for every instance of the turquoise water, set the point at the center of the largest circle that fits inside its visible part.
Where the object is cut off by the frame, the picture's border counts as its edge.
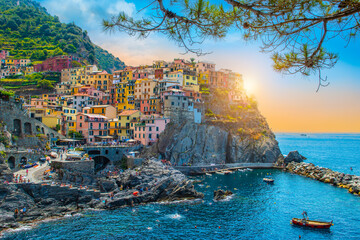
(256, 211)
(336, 151)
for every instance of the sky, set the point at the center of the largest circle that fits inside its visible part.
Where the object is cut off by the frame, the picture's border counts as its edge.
(290, 103)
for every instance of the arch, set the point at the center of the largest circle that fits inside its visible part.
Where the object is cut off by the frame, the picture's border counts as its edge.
(27, 128)
(17, 127)
(100, 162)
(23, 161)
(11, 162)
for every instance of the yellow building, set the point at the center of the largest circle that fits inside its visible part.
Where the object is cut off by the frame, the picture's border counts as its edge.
(9, 61)
(203, 78)
(190, 78)
(125, 95)
(69, 118)
(121, 126)
(51, 121)
(101, 81)
(104, 110)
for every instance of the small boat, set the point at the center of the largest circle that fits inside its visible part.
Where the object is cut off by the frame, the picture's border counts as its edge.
(208, 174)
(311, 223)
(227, 172)
(268, 180)
(220, 172)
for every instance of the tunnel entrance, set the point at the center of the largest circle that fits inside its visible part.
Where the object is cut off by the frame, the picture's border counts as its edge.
(100, 162)
(11, 162)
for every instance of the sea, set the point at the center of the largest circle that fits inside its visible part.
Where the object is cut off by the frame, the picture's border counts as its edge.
(256, 210)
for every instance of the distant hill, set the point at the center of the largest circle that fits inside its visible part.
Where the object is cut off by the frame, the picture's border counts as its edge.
(29, 31)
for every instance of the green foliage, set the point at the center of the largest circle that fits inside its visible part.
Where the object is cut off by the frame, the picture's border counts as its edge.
(57, 127)
(107, 60)
(75, 134)
(28, 31)
(6, 94)
(45, 84)
(2, 154)
(75, 64)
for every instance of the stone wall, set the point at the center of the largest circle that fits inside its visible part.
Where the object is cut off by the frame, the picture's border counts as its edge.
(13, 158)
(112, 153)
(20, 124)
(85, 166)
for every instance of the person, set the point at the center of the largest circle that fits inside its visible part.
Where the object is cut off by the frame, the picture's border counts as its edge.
(16, 212)
(351, 168)
(27, 172)
(24, 210)
(305, 216)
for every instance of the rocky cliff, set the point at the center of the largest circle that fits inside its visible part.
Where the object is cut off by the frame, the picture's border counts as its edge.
(151, 182)
(231, 132)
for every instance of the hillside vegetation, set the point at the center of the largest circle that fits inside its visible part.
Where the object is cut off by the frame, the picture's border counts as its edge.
(28, 31)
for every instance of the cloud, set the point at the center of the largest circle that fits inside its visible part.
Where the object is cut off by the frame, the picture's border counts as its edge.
(88, 14)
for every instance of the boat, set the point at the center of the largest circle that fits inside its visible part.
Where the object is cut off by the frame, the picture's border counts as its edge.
(311, 223)
(208, 174)
(220, 172)
(268, 180)
(227, 172)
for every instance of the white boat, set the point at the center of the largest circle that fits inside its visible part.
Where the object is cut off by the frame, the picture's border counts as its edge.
(208, 174)
(221, 173)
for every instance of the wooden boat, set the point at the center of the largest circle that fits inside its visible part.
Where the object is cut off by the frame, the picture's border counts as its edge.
(310, 223)
(268, 180)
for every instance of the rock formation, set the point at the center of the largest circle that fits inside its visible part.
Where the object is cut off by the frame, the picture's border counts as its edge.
(294, 156)
(230, 133)
(151, 182)
(326, 175)
(221, 194)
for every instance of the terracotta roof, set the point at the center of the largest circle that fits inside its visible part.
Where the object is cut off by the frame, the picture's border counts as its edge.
(128, 112)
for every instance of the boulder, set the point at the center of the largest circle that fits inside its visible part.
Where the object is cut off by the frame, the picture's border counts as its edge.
(221, 194)
(294, 156)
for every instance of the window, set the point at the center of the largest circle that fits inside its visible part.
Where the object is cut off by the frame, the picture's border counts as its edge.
(80, 117)
(143, 135)
(100, 133)
(91, 133)
(172, 103)
(157, 129)
(135, 135)
(157, 135)
(150, 136)
(80, 124)
(143, 128)
(150, 129)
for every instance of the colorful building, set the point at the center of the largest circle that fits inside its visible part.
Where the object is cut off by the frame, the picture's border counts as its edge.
(92, 126)
(148, 130)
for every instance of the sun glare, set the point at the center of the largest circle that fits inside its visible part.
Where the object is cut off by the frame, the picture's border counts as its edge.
(249, 87)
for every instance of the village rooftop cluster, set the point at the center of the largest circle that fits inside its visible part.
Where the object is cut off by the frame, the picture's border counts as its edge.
(134, 103)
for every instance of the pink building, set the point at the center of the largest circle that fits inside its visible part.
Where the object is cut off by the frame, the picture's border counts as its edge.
(54, 64)
(4, 54)
(148, 130)
(92, 126)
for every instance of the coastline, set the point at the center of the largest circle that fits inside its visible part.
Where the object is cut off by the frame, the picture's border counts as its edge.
(326, 175)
